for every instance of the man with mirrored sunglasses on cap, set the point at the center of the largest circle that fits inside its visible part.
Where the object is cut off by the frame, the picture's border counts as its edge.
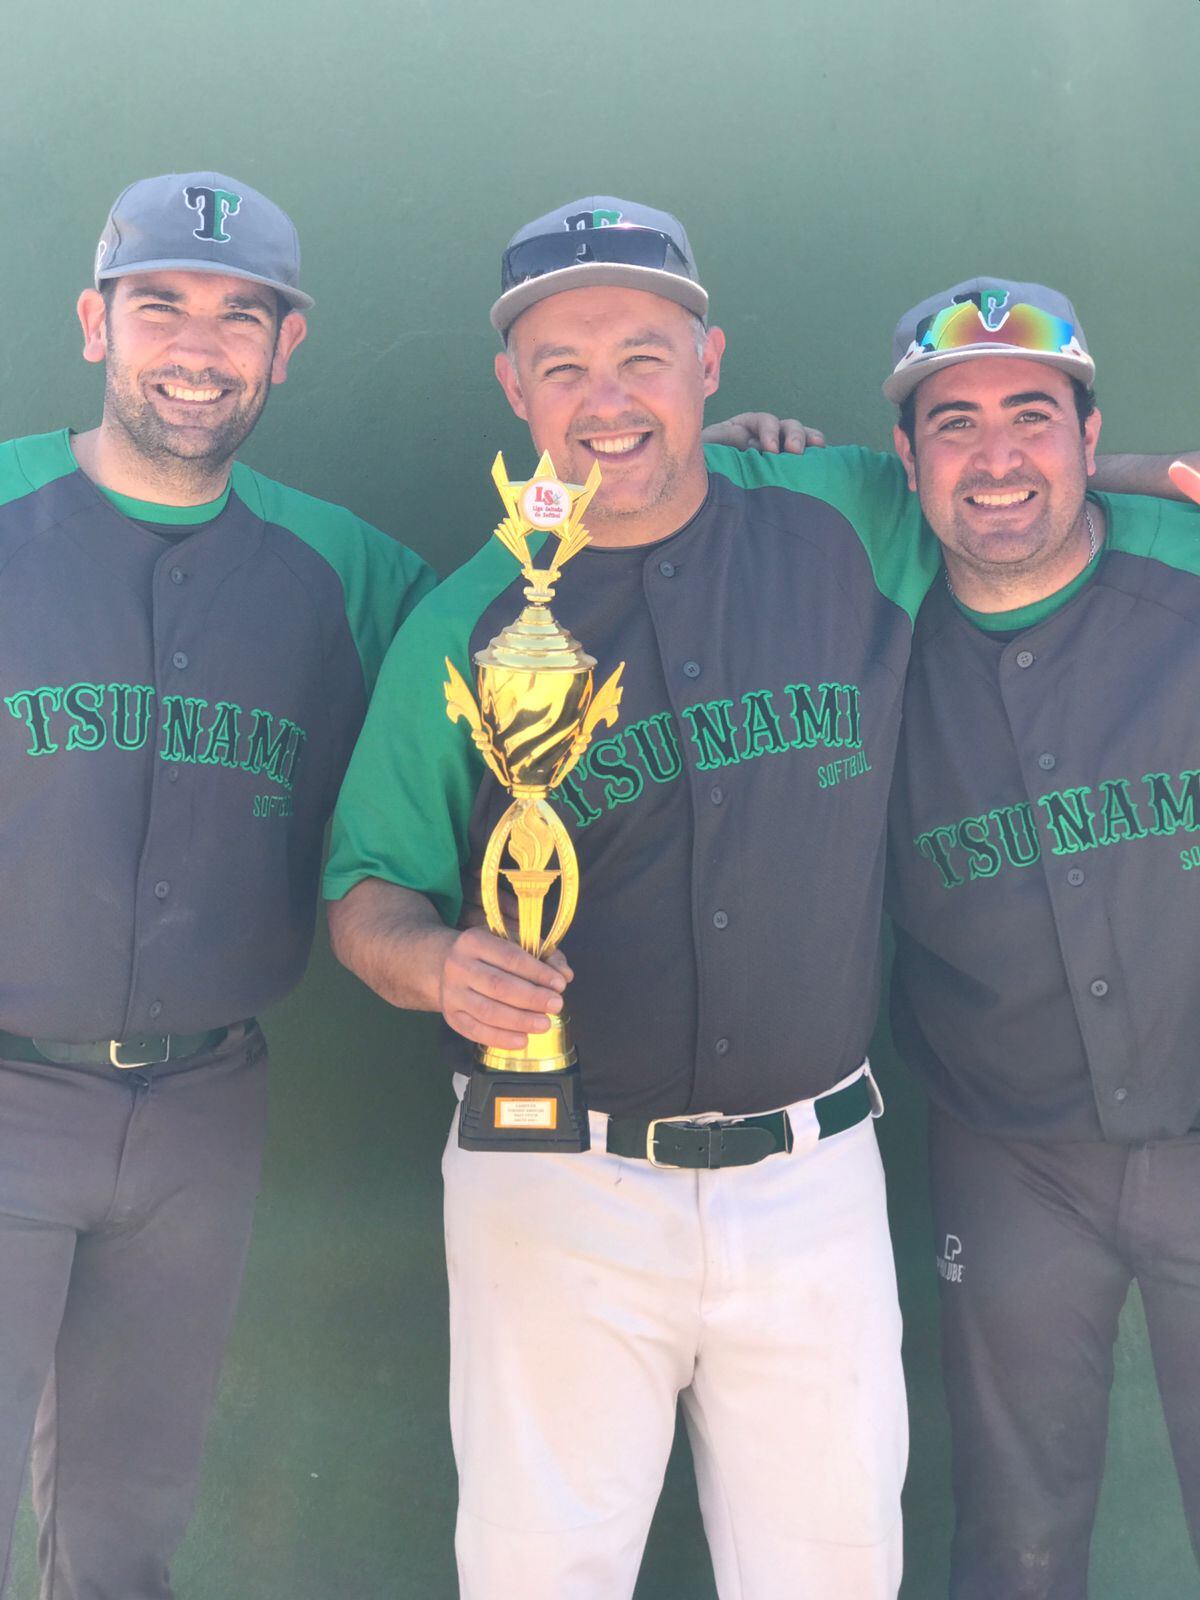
(186, 649)
(724, 1239)
(1042, 830)
(1041, 825)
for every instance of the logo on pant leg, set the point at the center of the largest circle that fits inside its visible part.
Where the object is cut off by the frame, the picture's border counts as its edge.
(948, 1264)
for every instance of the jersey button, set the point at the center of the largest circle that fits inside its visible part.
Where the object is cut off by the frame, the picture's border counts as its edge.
(1099, 988)
(1075, 877)
(172, 774)
(162, 889)
(720, 919)
(1120, 1096)
(155, 1008)
(722, 1047)
(179, 660)
(1024, 658)
(667, 568)
(716, 794)
(1046, 762)
(177, 574)
(691, 669)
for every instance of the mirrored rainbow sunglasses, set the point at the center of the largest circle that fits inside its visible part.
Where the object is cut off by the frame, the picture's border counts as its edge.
(1020, 326)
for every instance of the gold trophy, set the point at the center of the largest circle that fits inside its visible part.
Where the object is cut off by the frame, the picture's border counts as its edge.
(534, 717)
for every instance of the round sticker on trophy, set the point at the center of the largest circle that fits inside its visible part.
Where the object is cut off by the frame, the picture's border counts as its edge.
(545, 503)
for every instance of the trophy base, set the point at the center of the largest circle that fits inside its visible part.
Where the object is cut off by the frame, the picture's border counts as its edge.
(524, 1111)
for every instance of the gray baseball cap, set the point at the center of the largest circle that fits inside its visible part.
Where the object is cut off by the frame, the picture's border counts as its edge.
(201, 222)
(987, 317)
(598, 240)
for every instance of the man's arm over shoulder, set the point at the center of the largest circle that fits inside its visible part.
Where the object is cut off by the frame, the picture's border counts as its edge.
(1142, 474)
(1185, 475)
(1115, 474)
(763, 430)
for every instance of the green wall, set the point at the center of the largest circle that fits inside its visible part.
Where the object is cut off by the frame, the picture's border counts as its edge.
(834, 163)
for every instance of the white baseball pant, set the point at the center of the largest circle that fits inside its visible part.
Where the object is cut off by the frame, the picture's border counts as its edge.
(589, 1292)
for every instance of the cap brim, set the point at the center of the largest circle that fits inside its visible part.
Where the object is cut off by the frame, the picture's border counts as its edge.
(670, 285)
(296, 298)
(899, 385)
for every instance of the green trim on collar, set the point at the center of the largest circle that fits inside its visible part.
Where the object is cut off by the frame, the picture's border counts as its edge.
(167, 516)
(1036, 611)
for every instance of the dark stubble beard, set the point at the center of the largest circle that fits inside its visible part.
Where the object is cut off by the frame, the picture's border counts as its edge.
(178, 454)
(1048, 538)
(631, 422)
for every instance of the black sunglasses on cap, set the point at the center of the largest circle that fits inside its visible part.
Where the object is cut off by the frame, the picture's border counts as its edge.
(551, 252)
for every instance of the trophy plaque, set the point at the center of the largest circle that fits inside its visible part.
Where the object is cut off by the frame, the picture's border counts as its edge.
(532, 716)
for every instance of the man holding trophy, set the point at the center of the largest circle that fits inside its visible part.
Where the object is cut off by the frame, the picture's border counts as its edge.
(710, 1227)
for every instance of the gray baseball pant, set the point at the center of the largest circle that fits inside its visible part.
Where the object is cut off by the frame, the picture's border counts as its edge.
(1038, 1244)
(126, 1200)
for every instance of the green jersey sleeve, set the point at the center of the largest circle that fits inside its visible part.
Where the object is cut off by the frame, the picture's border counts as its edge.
(30, 464)
(406, 801)
(870, 491)
(1163, 530)
(382, 580)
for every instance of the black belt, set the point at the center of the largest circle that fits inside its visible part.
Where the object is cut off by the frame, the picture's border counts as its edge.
(141, 1050)
(732, 1141)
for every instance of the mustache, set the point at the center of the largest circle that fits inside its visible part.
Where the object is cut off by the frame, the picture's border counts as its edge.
(991, 485)
(630, 422)
(205, 378)
(981, 482)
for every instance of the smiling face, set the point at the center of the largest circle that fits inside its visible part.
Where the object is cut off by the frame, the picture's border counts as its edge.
(189, 360)
(1001, 464)
(619, 377)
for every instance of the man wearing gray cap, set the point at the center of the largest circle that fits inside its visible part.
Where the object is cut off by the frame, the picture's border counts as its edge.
(723, 1241)
(1039, 854)
(1044, 826)
(186, 649)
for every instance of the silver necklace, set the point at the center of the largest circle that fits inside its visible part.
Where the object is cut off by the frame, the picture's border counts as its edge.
(1093, 547)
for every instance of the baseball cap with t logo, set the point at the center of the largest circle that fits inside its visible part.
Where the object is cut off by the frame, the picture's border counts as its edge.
(987, 317)
(598, 240)
(201, 222)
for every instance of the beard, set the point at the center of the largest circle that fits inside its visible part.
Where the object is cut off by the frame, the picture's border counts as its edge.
(168, 445)
(613, 502)
(1015, 552)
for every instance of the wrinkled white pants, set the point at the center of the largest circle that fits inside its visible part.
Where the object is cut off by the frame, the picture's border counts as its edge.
(589, 1292)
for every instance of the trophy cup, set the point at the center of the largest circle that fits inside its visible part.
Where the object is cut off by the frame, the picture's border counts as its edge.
(534, 717)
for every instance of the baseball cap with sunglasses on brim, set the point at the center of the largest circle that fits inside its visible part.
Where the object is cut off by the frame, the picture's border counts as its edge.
(987, 317)
(598, 240)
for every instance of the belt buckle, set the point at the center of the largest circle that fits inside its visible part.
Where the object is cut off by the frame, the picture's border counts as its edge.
(705, 1122)
(666, 1166)
(116, 1047)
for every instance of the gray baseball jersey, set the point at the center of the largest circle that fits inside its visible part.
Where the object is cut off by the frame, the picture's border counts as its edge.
(730, 830)
(1045, 826)
(175, 721)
